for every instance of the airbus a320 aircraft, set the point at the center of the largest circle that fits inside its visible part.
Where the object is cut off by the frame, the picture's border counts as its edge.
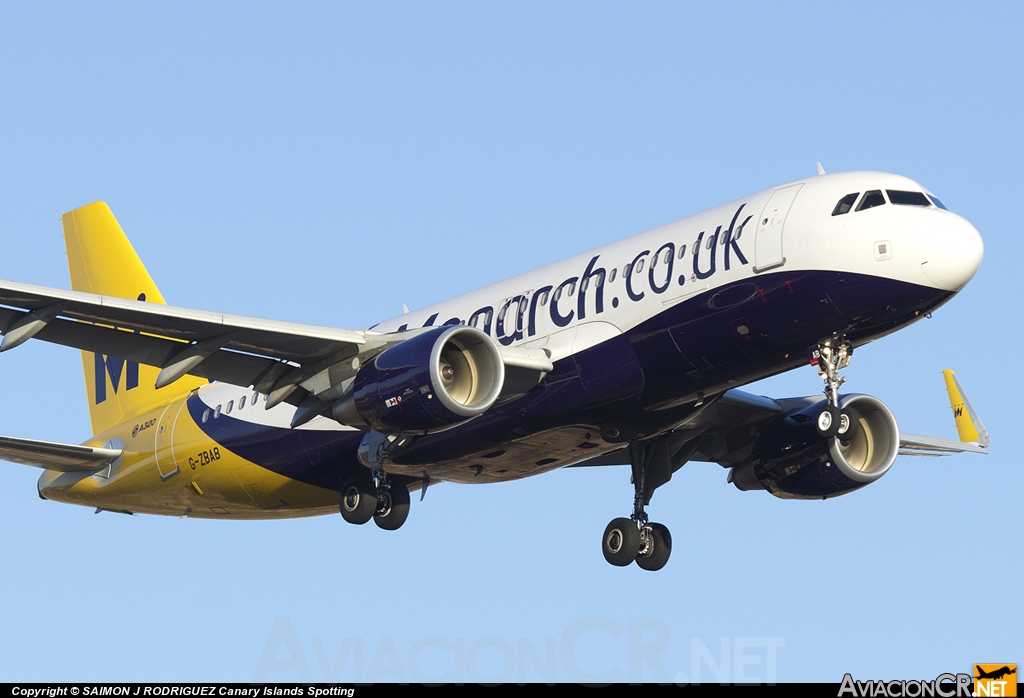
(627, 354)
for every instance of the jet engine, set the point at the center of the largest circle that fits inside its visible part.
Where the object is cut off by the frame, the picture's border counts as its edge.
(432, 381)
(792, 461)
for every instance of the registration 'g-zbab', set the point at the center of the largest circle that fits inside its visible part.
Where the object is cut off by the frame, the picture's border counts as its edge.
(628, 354)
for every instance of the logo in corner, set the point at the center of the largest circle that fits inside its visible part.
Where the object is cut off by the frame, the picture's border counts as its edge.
(995, 680)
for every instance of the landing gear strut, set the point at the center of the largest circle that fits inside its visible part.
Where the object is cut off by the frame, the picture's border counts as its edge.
(636, 539)
(371, 494)
(833, 355)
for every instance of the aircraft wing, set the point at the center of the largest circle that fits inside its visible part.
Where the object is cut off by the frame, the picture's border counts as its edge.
(276, 358)
(230, 348)
(66, 458)
(725, 430)
(974, 437)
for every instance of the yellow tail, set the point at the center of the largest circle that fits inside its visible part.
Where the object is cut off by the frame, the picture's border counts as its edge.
(102, 261)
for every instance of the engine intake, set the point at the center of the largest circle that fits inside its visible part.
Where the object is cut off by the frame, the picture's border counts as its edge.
(429, 382)
(792, 461)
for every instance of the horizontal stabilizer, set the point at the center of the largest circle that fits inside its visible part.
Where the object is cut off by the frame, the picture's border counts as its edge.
(67, 458)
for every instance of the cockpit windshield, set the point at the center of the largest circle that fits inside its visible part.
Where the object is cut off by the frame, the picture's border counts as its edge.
(845, 204)
(907, 198)
(871, 199)
(875, 197)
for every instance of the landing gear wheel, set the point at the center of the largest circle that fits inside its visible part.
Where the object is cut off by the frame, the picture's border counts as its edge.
(358, 499)
(849, 425)
(392, 507)
(621, 542)
(827, 422)
(657, 550)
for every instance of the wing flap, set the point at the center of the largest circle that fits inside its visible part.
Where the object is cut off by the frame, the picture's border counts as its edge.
(67, 458)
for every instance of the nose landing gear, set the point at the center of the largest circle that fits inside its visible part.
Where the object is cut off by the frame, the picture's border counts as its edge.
(831, 356)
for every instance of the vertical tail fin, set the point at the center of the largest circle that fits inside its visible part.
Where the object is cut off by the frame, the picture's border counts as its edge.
(102, 260)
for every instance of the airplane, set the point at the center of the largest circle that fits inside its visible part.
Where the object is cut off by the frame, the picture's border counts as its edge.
(995, 674)
(631, 353)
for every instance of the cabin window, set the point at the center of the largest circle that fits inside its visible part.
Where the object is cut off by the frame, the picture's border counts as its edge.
(639, 266)
(241, 402)
(625, 271)
(870, 200)
(845, 204)
(584, 285)
(231, 404)
(216, 412)
(682, 251)
(484, 316)
(611, 277)
(907, 198)
(206, 415)
(544, 298)
(255, 397)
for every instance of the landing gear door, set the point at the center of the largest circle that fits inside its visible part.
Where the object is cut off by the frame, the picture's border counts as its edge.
(768, 251)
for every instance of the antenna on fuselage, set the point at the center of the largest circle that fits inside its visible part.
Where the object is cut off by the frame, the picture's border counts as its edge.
(821, 170)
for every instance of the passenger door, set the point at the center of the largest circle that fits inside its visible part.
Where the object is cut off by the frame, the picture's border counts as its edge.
(768, 251)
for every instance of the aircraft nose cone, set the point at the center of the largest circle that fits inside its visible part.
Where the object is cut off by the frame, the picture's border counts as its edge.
(951, 253)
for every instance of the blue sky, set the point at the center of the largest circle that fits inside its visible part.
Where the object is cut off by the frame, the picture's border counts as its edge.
(329, 162)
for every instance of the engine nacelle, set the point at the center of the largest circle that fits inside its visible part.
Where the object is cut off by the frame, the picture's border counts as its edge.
(792, 461)
(433, 380)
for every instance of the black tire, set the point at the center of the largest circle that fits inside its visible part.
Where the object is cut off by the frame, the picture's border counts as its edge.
(393, 508)
(849, 425)
(655, 557)
(621, 542)
(827, 422)
(358, 499)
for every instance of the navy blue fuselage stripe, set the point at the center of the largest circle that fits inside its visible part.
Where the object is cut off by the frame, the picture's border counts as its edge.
(690, 348)
(312, 456)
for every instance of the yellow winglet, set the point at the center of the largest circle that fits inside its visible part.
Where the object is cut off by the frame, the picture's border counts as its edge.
(968, 424)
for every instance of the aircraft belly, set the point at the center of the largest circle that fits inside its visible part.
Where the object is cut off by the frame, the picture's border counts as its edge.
(522, 457)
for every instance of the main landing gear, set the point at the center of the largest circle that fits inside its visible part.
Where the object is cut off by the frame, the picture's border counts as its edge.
(370, 494)
(833, 355)
(635, 539)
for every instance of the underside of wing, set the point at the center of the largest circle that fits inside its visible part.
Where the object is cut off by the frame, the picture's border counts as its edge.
(66, 458)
